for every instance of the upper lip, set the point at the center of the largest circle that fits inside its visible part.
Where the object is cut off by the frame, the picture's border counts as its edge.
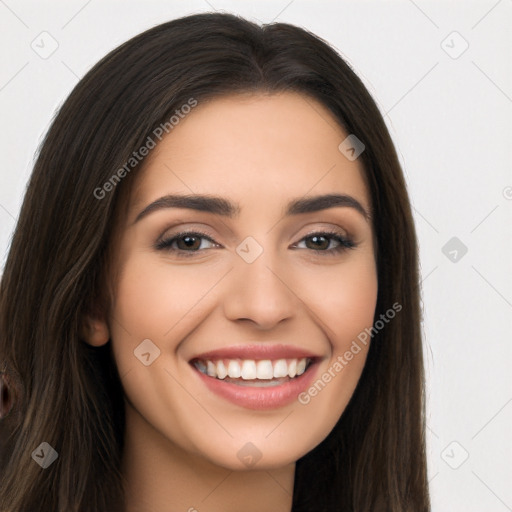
(257, 352)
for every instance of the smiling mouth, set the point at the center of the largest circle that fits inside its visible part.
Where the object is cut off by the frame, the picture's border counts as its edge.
(253, 372)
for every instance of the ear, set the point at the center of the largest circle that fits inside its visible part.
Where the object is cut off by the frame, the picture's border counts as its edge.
(95, 331)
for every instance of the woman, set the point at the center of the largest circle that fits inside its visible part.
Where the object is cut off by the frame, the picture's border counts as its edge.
(276, 364)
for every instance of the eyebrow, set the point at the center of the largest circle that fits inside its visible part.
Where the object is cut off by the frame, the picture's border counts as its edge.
(221, 206)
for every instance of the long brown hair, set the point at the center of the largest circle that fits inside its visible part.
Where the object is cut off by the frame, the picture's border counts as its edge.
(69, 394)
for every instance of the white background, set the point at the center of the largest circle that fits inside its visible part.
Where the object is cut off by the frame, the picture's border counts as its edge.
(450, 119)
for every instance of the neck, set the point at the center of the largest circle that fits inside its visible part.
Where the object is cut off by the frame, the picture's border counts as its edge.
(163, 477)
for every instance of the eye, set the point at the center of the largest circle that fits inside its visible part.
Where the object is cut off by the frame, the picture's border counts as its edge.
(186, 242)
(328, 242)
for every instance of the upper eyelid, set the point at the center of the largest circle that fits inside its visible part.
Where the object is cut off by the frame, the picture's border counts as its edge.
(184, 232)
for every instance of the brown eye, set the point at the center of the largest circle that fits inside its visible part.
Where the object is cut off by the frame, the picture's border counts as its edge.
(318, 242)
(189, 242)
(186, 242)
(327, 242)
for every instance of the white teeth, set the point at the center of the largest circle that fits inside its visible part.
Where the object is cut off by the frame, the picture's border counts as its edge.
(280, 368)
(221, 370)
(249, 369)
(211, 369)
(234, 370)
(292, 368)
(264, 370)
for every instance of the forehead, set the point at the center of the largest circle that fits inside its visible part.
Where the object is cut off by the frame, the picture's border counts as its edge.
(253, 148)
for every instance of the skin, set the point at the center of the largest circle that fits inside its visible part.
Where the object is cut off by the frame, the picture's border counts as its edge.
(259, 151)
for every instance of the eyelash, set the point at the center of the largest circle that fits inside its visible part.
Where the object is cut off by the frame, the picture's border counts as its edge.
(344, 243)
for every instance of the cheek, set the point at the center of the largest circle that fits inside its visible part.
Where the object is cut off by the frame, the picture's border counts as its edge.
(342, 300)
(156, 302)
(152, 297)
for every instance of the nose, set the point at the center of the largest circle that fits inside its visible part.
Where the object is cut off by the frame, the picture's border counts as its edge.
(260, 293)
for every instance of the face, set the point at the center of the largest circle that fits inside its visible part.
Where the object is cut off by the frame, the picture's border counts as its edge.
(233, 320)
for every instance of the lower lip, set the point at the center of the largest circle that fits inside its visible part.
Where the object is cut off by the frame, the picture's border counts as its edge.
(260, 398)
